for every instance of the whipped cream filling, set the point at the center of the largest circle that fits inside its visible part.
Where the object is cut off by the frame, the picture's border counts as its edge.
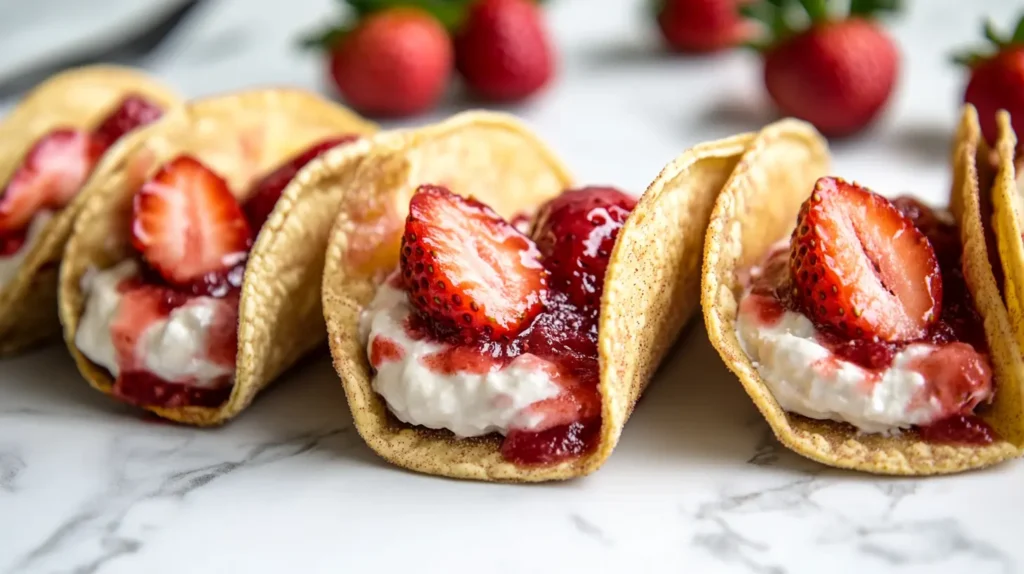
(172, 348)
(466, 403)
(10, 264)
(806, 379)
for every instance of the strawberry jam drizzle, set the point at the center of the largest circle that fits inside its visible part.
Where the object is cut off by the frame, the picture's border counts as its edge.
(143, 304)
(139, 387)
(560, 335)
(384, 350)
(144, 388)
(11, 241)
(959, 429)
(552, 445)
(959, 324)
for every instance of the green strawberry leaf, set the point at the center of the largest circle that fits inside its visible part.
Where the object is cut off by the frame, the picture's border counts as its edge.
(816, 9)
(869, 8)
(995, 39)
(966, 58)
(988, 28)
(772, 15)
(450, 13)
(323, 39)
(786, 18)
(1018, 32)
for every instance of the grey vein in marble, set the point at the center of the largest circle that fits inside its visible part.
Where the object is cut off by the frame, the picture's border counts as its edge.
(11, 465)
(878, 537)
(138, 475)
(590, 530)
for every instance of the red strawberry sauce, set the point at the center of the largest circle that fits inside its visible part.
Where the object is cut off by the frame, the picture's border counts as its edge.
(144, 303)
(958, 331)
(383, 349)
(564, 337)
(11, 242)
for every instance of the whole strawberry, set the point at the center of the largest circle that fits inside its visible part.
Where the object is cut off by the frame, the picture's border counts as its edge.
(503, 51)
(576, 232)
(701, 25)
(837, 73)
(392, 62)
(997, 80)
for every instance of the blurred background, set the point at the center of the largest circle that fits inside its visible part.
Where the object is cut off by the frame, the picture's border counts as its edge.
(618, 105)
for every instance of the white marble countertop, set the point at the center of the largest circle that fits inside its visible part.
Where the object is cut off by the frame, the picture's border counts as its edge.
(697, 484)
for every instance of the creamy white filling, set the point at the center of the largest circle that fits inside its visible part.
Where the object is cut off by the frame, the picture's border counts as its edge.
(173, 349)
(10, 264)
(803, 380)
(466, 403)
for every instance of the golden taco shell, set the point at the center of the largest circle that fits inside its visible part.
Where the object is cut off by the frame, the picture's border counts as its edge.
(1006, 223)
(242, 137)
(79, 98)
(757, 208)
(650, 289)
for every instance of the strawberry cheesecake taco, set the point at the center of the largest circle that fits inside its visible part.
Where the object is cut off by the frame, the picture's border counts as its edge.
(166, 298)
(491, 321)
(864, 328)
(60, 133)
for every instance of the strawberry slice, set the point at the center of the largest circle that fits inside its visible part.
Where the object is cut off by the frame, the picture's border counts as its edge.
(576, 233)
(187, 224)
(134, 111)
(53, 171)
(265, 193)
(467, 270)
(861, 267)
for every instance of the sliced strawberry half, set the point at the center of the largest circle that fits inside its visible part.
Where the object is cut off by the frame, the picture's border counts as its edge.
(861, 267)
(265, 193)
(134, 111)
(467, 270)
(52, 172)
(187, 224)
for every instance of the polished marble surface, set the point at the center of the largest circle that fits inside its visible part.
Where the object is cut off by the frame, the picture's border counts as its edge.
(696, 484)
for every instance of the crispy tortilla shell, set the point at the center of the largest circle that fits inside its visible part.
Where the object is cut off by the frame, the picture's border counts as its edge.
(651, 286)
(79, 98)
(1007, 225)
(242, 137)
(757, 208)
